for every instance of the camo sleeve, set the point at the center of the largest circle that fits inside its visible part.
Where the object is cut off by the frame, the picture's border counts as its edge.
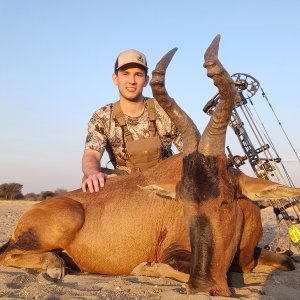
(96, 138)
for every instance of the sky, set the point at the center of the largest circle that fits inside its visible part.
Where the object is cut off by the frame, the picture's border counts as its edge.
(57, 58)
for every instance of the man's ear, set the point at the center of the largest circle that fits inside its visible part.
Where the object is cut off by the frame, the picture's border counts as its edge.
(146, 81)
(115, 78)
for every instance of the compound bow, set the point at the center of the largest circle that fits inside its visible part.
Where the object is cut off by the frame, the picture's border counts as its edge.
(264, 159)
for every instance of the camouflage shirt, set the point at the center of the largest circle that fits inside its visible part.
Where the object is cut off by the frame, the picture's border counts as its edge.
(104, 132)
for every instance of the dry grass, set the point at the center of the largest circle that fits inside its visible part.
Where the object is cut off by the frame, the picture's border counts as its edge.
(16, 202)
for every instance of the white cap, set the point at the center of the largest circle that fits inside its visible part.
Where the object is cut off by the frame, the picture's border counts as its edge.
(131, 57)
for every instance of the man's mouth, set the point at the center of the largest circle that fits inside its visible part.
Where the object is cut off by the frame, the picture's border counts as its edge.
(131, 89)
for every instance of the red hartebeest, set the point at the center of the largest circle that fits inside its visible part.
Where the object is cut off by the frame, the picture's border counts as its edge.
(191, 214)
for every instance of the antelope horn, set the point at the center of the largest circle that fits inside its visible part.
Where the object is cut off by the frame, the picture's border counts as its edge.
(187, 128)
(213, 139)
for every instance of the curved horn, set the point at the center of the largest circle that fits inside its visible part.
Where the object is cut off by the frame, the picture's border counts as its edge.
(187, 128)
(213, 139)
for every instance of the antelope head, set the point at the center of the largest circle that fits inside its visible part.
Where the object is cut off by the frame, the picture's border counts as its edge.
(208, 188)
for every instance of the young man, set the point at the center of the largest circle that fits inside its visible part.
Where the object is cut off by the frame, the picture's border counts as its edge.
(135, 131)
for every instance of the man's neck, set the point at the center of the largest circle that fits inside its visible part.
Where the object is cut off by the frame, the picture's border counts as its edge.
(132, 108)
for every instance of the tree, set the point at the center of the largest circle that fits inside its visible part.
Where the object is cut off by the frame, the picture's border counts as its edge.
(59, 191)
(46, 194)
(11, 190)
(32, 196)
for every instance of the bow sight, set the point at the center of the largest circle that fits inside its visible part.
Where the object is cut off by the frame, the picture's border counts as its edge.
(263, 158)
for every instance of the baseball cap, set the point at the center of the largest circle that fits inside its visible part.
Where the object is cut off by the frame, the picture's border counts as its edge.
(131, 57)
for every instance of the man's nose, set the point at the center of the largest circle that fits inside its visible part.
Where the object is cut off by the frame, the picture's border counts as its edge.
(131, 79)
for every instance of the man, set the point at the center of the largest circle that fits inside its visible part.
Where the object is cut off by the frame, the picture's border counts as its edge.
(135, 131)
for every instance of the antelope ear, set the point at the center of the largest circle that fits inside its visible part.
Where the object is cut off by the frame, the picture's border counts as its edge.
(162, 190)
(259, 189)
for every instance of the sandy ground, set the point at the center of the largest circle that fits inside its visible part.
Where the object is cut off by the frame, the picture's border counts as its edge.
(262, 283)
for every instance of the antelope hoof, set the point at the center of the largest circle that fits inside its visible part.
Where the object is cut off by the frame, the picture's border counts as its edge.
(138, 270)
(57, 274)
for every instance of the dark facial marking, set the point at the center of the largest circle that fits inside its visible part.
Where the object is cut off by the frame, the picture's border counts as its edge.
(202, 246)
(200, 180)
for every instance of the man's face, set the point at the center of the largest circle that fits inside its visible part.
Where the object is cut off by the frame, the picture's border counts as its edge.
(131, 82)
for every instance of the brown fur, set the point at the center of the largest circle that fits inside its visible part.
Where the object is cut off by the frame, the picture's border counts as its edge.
(113, 231)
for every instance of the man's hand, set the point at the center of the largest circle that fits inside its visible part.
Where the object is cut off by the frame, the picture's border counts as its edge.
(95, 182)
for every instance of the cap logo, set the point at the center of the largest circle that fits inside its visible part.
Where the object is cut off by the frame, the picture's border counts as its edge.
(140, 58)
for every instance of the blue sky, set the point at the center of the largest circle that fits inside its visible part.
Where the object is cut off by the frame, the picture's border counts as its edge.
(57, 57)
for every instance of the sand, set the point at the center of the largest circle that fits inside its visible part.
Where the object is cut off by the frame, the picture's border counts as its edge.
(263, 283)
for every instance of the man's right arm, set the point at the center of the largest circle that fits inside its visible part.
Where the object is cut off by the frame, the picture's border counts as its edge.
(93, 179)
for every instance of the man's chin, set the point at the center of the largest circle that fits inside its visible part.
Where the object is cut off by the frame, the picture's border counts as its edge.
(134, 99)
